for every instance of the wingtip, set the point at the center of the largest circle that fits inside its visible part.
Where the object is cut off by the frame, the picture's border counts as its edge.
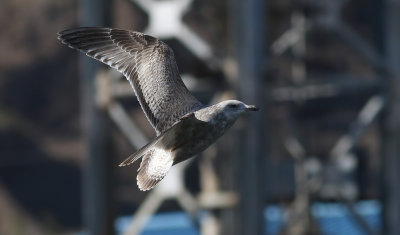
(60, 36)
(62, 39)
(126, 162)
(64, 32)
(80, 30)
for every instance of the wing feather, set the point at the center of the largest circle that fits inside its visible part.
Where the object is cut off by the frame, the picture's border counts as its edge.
(147, 63)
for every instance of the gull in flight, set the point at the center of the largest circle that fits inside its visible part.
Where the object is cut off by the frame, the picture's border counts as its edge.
(184, 126)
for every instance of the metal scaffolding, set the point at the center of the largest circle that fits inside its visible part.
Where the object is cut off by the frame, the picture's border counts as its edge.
(246, 200)
(163, 15)
(97, 179)
(249, 40)
(391, 122)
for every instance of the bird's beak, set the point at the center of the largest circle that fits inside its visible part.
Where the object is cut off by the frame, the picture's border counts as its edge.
(251, 108)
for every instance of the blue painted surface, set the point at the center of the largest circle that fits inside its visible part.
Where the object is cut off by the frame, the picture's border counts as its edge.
(163, 223)
(333, 219)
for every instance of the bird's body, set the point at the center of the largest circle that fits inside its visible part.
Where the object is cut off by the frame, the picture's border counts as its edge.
(184, 126)
(210, 124)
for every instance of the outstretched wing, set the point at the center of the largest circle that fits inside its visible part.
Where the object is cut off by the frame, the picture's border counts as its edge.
(148, 64)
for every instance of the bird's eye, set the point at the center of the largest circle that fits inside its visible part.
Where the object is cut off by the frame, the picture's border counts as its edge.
(233, 106)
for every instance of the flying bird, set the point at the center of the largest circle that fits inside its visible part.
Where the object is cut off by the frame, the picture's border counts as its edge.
(184, 126)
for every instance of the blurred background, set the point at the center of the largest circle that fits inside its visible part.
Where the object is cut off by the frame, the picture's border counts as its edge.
(321, 157)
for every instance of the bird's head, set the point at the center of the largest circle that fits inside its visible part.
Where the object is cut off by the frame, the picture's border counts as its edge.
(234, 108)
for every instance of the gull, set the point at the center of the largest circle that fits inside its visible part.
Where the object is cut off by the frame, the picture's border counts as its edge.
(184, 126)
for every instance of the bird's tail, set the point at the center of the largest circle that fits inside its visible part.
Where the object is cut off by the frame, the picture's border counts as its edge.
(154, 167)
(158, 155)
(156, 162)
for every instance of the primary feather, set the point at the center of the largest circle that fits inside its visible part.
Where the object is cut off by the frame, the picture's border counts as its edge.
(148, 64)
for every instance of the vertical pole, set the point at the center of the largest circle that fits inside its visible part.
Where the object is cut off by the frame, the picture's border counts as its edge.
(96, 186)
(250, 40)
(391, 144)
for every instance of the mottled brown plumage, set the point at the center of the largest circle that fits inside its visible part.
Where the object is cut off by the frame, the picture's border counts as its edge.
(148, 64)
(183, 125)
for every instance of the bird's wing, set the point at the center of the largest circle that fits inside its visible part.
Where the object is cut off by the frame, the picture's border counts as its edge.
(148, 64)
(153, 170)
(169, 139)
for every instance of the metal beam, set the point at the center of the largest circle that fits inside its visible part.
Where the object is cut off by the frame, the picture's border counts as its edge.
(96, 186)
(250, 41)
(341, 85)
(366, 116)
(391, 132)
(126, 125)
